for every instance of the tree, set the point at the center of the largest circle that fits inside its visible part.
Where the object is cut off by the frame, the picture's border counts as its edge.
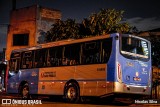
(56, 32)
(62, 30)
(104, 22)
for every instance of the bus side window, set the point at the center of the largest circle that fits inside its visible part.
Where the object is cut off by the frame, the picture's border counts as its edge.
(91, 52)
(71, 54)
(28, 63)
(40, 58)
(40, 63)
(97, 57)
(48, 58)
(106, 49)
(55, 56)
(26, 60)
(14, 64)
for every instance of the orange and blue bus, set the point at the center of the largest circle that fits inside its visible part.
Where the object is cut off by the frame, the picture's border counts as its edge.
(94, 66)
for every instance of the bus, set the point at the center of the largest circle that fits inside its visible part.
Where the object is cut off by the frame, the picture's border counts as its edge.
(74, 68)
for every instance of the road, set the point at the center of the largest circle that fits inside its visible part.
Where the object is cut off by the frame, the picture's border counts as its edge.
(58, 102)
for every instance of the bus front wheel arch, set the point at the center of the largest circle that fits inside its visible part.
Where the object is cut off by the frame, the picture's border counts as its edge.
(72, 92)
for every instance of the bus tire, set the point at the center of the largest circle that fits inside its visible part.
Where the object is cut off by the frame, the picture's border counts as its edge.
(72, 92)
(25, 92)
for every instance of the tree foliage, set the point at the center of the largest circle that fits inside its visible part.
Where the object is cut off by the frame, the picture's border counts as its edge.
(62, 30)
(104, 22)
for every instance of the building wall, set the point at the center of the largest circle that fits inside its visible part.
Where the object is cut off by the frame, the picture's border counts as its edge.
(33, 20)
(145, 34)
(21, 23)
(46, 18)
(3, 36)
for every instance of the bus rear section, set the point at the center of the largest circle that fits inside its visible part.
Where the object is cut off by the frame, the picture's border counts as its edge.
(133, 66)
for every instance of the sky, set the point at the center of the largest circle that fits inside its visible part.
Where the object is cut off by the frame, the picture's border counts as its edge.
(144, 14)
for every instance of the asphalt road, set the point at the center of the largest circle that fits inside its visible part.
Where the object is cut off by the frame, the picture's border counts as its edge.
(58, 102)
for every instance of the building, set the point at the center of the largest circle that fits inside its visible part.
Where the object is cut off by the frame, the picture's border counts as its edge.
(3, 37)
(154, 32)
(28, 26)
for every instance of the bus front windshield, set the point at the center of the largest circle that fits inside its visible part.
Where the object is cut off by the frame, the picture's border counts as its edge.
(132, 47)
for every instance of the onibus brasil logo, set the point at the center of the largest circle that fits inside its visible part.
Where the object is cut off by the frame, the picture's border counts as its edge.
(16, 102)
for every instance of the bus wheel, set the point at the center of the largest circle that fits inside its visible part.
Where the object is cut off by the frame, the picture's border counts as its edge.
(72, 93)
(25, 92)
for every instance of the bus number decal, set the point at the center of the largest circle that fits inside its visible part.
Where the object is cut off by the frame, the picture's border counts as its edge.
(48, 74)
(100, 69)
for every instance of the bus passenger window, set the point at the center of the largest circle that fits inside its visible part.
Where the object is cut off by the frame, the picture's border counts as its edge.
(91, 52)
(14, 64)
(55, 56)
(40, 56)
(55, 62)
(26, 60)
(28, 63)
(97, 58)
(40, 63)
(65, 61)
(106, 49)
(73, 62)
(71, 54)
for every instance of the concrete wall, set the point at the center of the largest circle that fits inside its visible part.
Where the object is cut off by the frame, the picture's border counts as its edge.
(35, 21)
(44, 22)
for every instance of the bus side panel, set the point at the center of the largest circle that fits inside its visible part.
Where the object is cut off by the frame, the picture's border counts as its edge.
(92, 79)
(52, 80)
(31, 76)
(13, 84)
